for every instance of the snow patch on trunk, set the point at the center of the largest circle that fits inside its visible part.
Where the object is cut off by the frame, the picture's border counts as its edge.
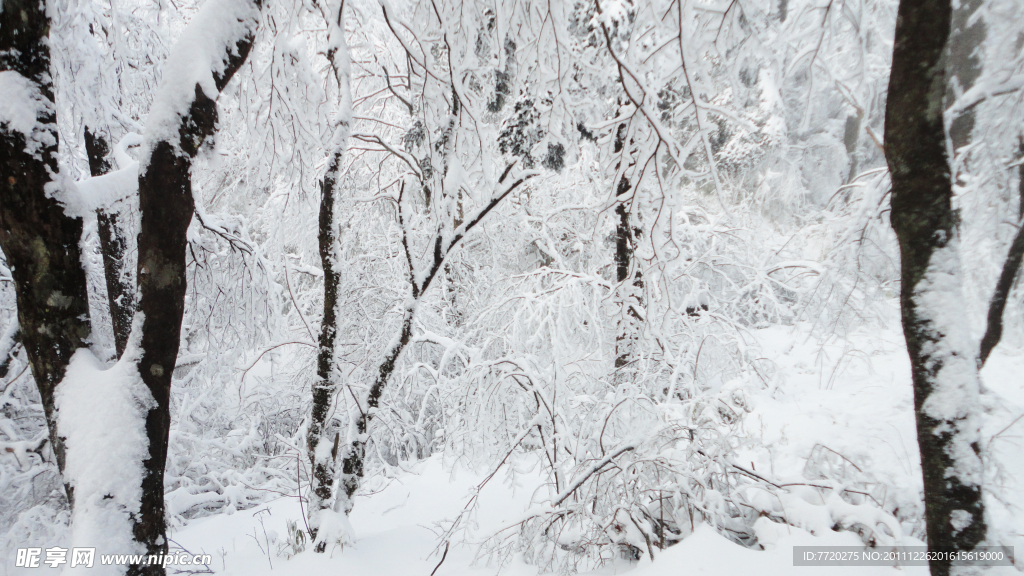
(20, 108)
(102, 192)
(102, 413)
(950, 355)
(334, 530)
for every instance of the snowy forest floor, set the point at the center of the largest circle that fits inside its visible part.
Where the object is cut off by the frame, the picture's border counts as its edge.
(851, 396)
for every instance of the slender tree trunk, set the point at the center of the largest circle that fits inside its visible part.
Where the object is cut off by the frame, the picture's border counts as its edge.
(964, 66)
(354, 463)
(326, 385)
(113, 246)
(1011, 266)
(166, 205)
(943, 358)
(322, 439)
(354, 460)
(9, 346)
(40, 242)
(630, 292)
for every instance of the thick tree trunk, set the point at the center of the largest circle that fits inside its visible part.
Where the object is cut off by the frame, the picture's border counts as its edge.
(166, 206)
(165, 201)
(40, 241)
(113, 246)
(943, 359)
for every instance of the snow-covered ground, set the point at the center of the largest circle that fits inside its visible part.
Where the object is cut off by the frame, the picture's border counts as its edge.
(848, 397)
(397, 536)
(851, 396)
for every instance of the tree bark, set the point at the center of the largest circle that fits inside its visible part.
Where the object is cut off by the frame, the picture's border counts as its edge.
(630, 292)
(964, 67)
(325, 387)
(327, 383)
(166, 205)
(113, 247)
(40, 241)
(9, 346)
(943, 364)
(1011, 266)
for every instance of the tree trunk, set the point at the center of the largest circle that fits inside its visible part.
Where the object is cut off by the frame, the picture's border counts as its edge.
(113, 246)
(354, 463)
(321, 435)
(1011, 266)
(166, 205)
(165, 201)
(943, 359)
(40, 241)
(630, 292)
(326, 385)
(964, 66)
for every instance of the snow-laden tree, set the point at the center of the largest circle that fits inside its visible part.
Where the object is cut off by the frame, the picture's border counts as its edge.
(110, 428)
(541, 239)
(40, 228)
(932, 48)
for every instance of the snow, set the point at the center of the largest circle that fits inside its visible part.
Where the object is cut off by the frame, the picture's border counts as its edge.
(7, 341)
(21, 450)
(105, 191)
(398, 535)
(849, 397)
(102, 413)
(1003, 442)
(200, 53)
(952, 358)
(788, 418)
(21, 105)
(335, 531)
(850, 394)
(102, 192)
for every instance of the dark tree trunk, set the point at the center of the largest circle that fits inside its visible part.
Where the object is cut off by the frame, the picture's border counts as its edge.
(1011, 266)
(945, 379)
(165, 201)
(113, 246)
(40, 242)
(354, 461)
(964, 67)
(9, 346)
(630, 292)
(325, 386)
(166, 205)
